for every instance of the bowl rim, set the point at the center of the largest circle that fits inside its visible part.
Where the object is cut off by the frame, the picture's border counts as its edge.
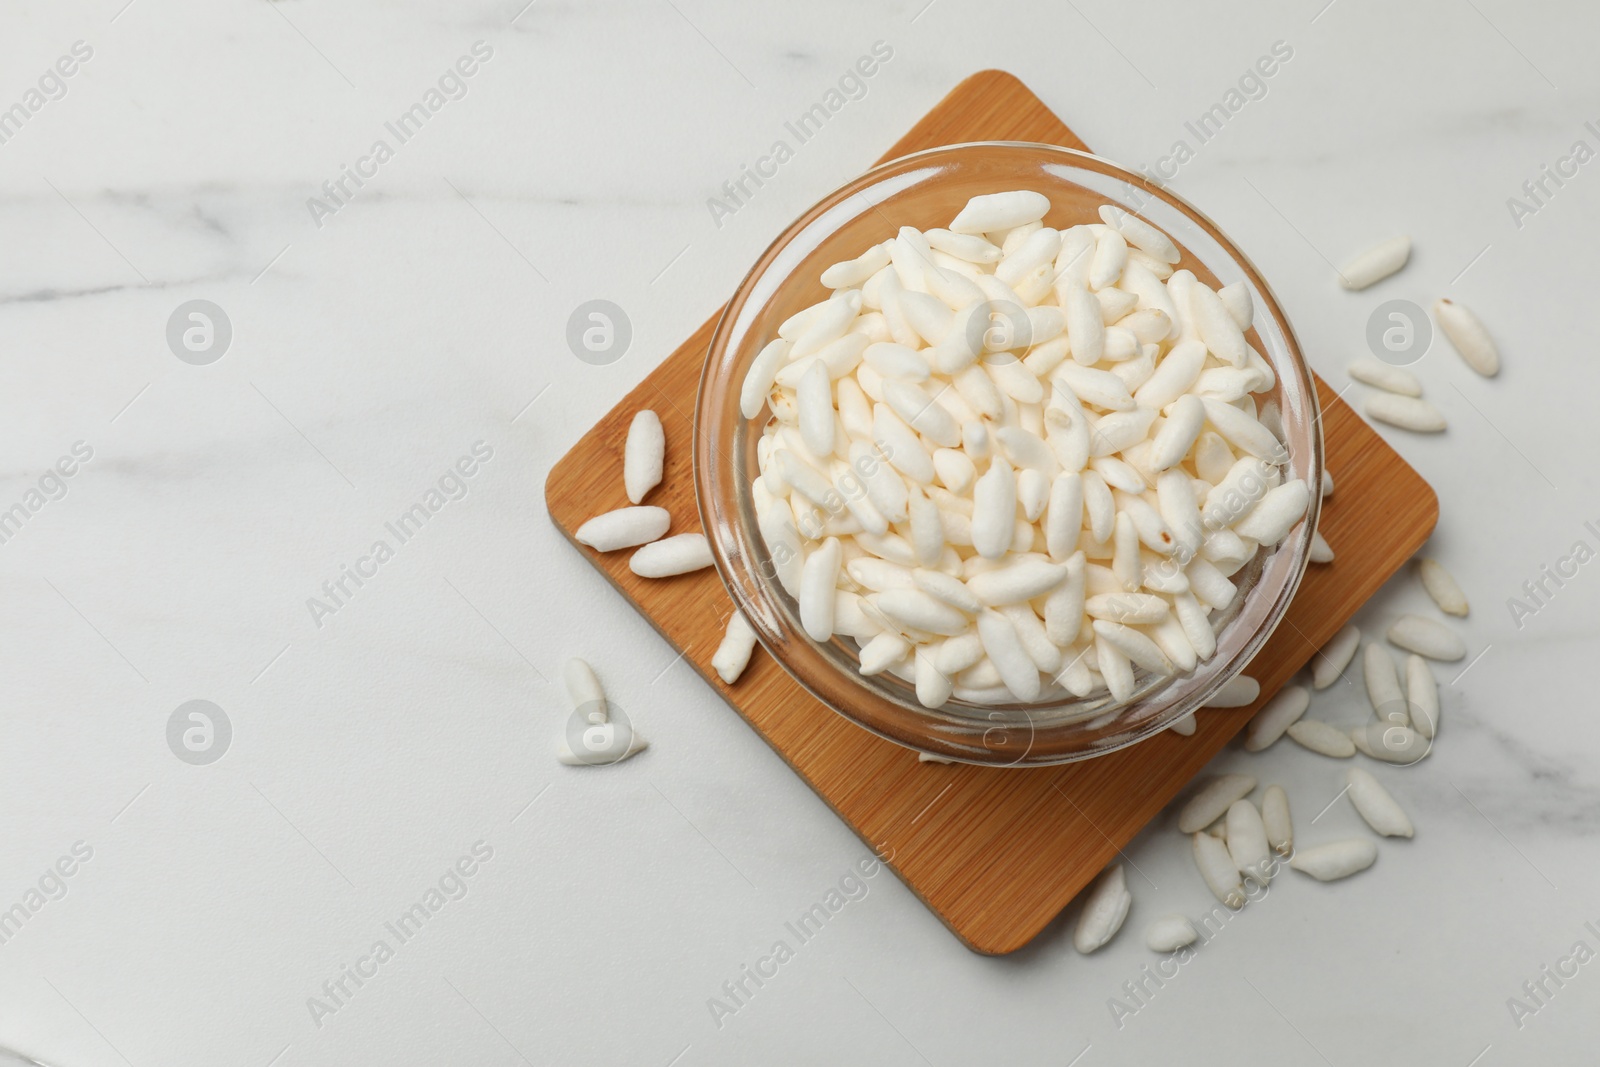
(1299, 545)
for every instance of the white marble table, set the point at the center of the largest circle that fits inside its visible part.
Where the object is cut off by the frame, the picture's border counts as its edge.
(377, 338)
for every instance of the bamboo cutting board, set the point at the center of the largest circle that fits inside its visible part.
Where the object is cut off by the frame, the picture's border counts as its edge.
(995, 853)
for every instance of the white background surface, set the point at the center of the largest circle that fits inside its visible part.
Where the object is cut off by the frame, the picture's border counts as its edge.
(370, 753)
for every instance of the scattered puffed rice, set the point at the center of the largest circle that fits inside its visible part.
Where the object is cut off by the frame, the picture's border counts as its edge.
(1380, 810)
(1279, 713)
(624, 528)
(604, 745)
(733, 654)
(1376, 264)
(1322, 739)
(675, 555)
(1170, 933)
(585, 692)
(1422, 692)
(1209, 804)
(1247, 842)
(1385, 376)
(643, 455)
(1341, 859)
(1427, 637)
(1406, 412)
(1217, 869)
(1469, 337)
(1383, 684)
(1442, 587)
(1104, 909)
(1334, 657)
(1276, 821)
(1389, 742)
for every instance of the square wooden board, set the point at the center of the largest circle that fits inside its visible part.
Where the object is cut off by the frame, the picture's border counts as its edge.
(995, 853)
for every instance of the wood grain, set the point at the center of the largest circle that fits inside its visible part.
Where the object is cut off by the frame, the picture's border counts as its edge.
(995, 853)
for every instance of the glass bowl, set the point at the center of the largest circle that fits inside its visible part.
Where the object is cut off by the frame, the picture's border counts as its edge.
(926, 190)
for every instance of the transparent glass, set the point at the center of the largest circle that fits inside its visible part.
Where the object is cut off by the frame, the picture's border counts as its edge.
(926, 190)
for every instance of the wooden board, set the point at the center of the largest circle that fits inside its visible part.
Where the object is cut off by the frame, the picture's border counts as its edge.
(995, 853)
